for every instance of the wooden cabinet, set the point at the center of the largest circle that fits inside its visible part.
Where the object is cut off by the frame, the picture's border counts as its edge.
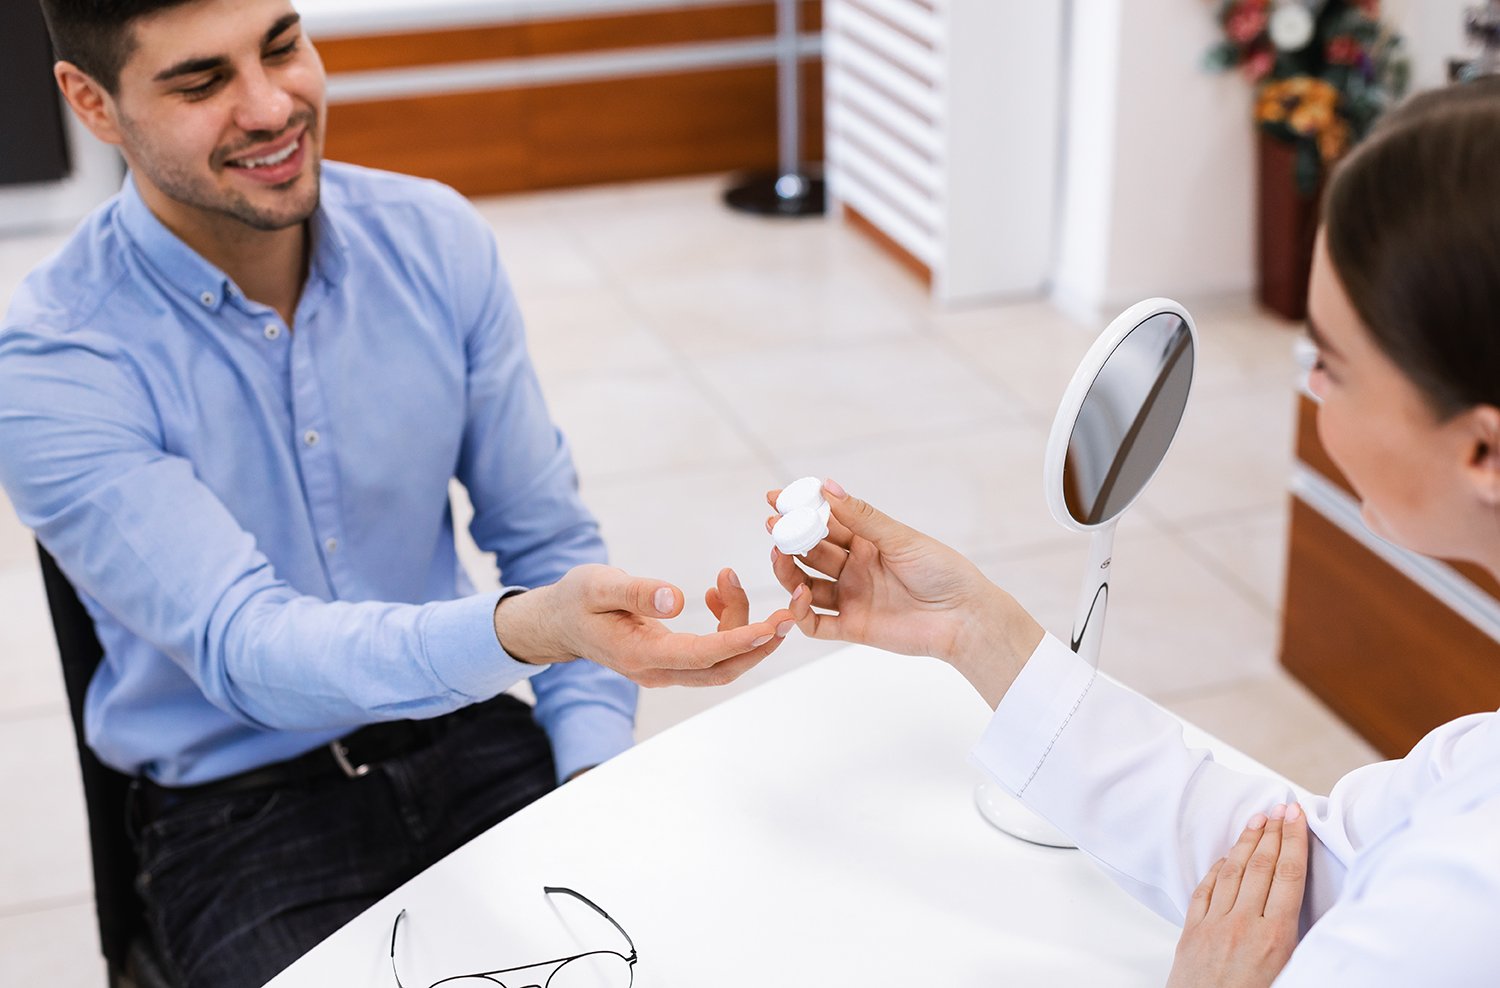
(1393, 642)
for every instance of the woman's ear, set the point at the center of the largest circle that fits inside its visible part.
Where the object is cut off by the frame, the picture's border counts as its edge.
(1483, 429)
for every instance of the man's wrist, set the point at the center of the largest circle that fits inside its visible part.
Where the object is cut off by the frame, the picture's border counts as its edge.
(995, 643)
(521, 627)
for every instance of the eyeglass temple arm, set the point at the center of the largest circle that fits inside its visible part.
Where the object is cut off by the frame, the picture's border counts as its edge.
(394, 927)
(550, 889)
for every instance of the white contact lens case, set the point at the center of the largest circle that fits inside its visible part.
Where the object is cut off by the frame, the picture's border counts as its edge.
(804, 516)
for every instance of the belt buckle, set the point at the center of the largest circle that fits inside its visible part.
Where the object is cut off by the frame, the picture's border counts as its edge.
(341, 756)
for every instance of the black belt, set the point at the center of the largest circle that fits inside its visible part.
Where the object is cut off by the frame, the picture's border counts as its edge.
(351, 756)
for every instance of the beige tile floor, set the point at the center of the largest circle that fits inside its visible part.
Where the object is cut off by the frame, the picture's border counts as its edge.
(696, 358)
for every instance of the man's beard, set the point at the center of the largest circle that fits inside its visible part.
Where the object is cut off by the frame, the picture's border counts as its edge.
(181, 186)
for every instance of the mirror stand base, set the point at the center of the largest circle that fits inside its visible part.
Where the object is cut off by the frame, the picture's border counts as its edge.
(1008, 814)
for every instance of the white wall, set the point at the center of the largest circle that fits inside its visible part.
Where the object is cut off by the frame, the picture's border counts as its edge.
(1159, 183)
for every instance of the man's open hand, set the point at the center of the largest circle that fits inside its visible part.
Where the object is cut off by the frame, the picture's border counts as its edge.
(605, 614)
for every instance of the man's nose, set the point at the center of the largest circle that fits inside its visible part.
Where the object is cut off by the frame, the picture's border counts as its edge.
(263, 105)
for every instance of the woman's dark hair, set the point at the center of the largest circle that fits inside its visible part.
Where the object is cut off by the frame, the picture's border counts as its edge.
(95, 34)
(1413, 230)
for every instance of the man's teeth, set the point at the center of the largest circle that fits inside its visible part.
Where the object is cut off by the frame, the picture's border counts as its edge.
(266, 162)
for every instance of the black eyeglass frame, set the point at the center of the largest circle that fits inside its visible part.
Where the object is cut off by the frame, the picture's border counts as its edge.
(561, 962)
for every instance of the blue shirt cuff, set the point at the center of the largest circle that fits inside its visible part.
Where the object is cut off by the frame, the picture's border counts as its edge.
(459, 640)
(588, 734)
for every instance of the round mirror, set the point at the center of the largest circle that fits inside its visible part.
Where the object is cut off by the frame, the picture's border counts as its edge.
(1119, 414)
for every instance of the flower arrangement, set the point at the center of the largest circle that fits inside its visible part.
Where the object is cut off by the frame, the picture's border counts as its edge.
(1324, 71)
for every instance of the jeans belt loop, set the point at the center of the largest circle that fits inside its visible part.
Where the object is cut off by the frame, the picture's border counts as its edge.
(341, 756)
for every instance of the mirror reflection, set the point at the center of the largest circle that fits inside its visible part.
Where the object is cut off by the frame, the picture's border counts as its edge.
(1128, 419)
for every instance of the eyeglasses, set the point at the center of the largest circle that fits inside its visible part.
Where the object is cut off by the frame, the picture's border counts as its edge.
(591, 969)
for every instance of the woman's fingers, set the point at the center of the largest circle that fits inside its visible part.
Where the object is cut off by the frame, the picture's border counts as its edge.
(826, 558)
(1290, 880)
(1256, 883)
(790, 576)
(838, 532)
(810, 622)
(1227, 887)
(1198, 904)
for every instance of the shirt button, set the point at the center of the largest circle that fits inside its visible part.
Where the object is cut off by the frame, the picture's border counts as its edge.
(272, 331)
(207, 298)
(332, 545)
(311, 437)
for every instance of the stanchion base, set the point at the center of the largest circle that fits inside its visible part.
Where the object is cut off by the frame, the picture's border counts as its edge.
(773, 194)
(1008, 814)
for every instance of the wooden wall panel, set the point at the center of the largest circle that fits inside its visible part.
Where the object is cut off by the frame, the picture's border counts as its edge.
(1382, 653)
(515, 140)
(562, 134)
(567, 36)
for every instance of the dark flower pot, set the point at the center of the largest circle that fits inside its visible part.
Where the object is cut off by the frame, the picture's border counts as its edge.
(1287, 224)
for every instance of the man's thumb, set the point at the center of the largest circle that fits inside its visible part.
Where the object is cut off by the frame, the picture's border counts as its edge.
(862, 518)
(646, 597)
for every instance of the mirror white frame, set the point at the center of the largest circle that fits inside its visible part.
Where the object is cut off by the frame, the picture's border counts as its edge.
(995, 805)
(1088, 620)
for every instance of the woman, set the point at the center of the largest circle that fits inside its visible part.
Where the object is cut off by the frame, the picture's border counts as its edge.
(1401, 861)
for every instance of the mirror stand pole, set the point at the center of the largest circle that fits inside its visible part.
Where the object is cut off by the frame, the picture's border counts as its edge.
(1093, 599)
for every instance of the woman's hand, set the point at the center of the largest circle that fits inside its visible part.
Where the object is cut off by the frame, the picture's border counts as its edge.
(884, 584)
(1242, 922)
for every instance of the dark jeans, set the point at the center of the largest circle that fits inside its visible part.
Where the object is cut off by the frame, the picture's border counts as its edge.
(239, 885)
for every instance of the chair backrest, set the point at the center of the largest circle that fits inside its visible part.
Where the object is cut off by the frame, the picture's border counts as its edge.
(121, 916)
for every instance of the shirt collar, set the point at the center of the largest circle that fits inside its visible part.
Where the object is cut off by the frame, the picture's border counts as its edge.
(189, 272)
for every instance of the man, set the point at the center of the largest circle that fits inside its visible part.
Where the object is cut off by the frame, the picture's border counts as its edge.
(231, 407)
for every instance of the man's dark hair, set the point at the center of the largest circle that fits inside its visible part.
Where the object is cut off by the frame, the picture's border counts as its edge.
(95, 34)
(1413, 226)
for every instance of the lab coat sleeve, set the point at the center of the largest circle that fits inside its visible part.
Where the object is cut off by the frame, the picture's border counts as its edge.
(1111, 770)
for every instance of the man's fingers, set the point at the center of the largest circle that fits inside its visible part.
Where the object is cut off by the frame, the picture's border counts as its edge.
(1284, 902)
(611, 589)
(1256, 883)
(726, 672)
(736, 610)
(1228, 884)
(1198, 904)
(715, 603)
(679, 650)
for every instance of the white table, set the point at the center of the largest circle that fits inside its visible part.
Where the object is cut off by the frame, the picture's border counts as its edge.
(818, 830)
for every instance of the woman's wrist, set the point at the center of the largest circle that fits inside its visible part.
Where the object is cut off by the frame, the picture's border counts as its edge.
(994, 642)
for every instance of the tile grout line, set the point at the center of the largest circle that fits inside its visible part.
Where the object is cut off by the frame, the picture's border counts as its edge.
(33, 906)
(682, 360)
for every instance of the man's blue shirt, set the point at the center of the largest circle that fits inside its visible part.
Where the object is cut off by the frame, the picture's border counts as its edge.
(257, 517)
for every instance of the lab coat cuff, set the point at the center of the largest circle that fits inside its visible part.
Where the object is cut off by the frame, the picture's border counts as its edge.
(459, 640)
(587, 734)
(1033, 713)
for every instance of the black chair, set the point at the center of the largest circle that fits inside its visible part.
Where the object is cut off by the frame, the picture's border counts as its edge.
(123, 935)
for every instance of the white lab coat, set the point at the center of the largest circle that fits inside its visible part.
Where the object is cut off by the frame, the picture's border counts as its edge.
(1404, 879)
